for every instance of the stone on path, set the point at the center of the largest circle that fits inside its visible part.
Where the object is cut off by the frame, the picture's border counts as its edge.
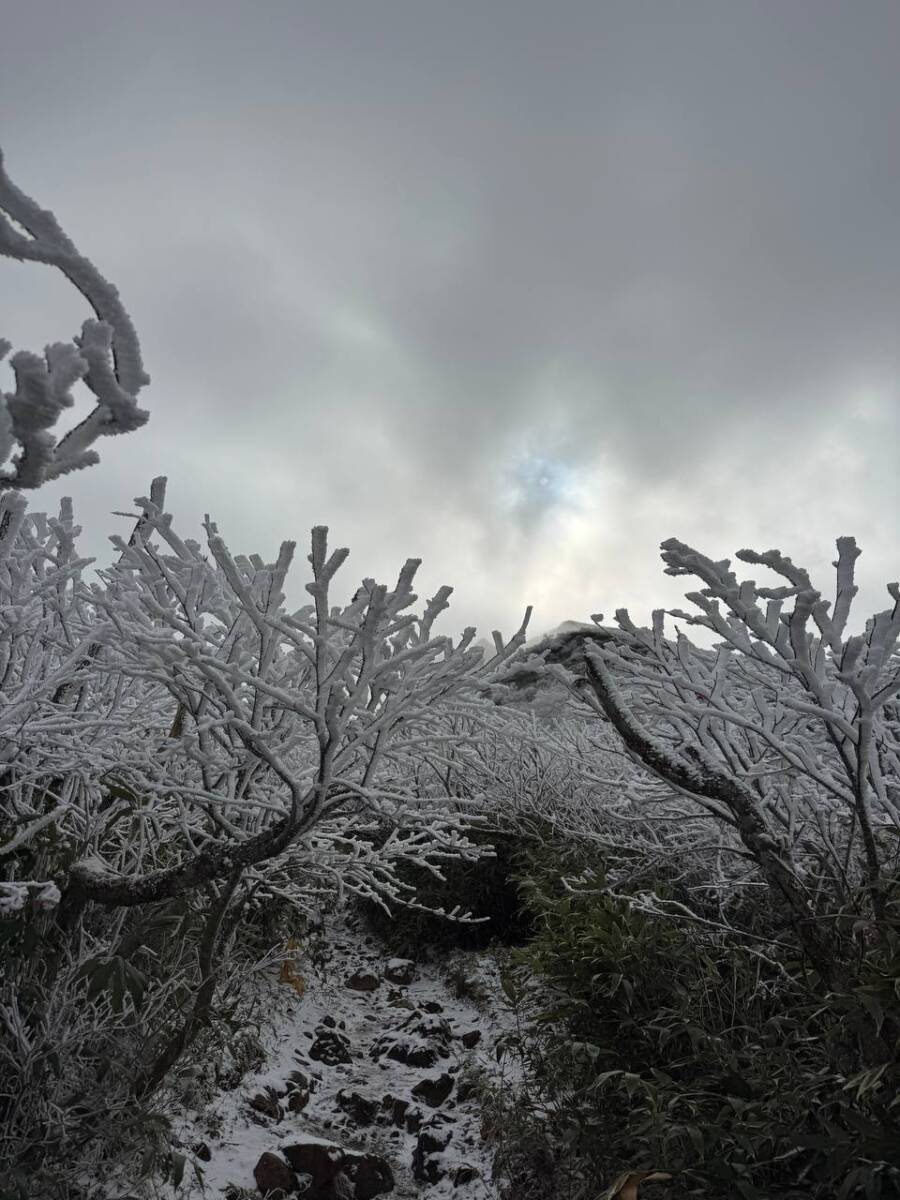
(400, 971)
(323, 1162)
(434, 1091)
(363, 981)
(274, 1177)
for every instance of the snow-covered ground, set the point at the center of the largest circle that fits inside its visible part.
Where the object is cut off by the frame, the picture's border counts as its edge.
(392, 1039)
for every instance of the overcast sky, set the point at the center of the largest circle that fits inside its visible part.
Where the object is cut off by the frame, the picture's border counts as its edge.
(518, 288)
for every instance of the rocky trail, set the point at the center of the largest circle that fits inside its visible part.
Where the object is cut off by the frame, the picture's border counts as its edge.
(367, 1085)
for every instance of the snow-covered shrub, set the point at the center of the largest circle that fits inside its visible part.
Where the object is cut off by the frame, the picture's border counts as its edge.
(193, 729)
(266, 737)
(544, 773)
(487, 884)
(71, 1018)
(608, 1082)
(462, 769)
(782, 742)
(713, 986)
(180, 750)
(644, 1043)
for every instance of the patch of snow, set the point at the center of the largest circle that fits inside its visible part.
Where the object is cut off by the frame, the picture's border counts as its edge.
(236, 1135)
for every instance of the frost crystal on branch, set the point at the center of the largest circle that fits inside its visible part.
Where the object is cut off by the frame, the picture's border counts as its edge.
(106, 357)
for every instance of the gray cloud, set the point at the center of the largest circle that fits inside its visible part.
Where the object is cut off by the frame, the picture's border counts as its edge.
(395, 265)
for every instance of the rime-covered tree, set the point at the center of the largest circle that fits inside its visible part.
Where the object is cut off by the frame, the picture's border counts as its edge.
(785, 734)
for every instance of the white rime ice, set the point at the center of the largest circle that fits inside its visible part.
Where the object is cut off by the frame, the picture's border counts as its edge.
(106, 357)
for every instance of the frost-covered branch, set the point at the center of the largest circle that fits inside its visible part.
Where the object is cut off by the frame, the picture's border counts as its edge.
(106, 357)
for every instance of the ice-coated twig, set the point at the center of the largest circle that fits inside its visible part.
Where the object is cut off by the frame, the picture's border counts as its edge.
(106, 357)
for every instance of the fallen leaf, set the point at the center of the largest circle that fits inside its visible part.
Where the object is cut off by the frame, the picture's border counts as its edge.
(625, 1187)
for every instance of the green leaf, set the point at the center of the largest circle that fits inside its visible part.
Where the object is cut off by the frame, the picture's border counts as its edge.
(117, 984)
(872, 1005)
(136, 982)
(97, 972)
(696, 1136)
(604, 1077)
(148, 1160)
(179, 1161)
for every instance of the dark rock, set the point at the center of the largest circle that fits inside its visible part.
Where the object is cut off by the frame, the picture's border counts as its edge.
(274, 1177)
(427, 1168)
(202, 1151)
(427, 1039)
(414, 1119)
(266, 1103)
(432, 1006)
(396, 1109)
(400, 971)
(297, 1090)
(330, 1047)
(320, 1160)
(426, 1163)
(330, 1022)
(370, 1174)
(464, 1174)
(323, 1162)
(401, 1113)
(363, 981)
(427, 1026)
(471, 1039)
(409, 1049)
(298, 1081)
(360, 1108)
(413, 1055)
(434, 1091)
